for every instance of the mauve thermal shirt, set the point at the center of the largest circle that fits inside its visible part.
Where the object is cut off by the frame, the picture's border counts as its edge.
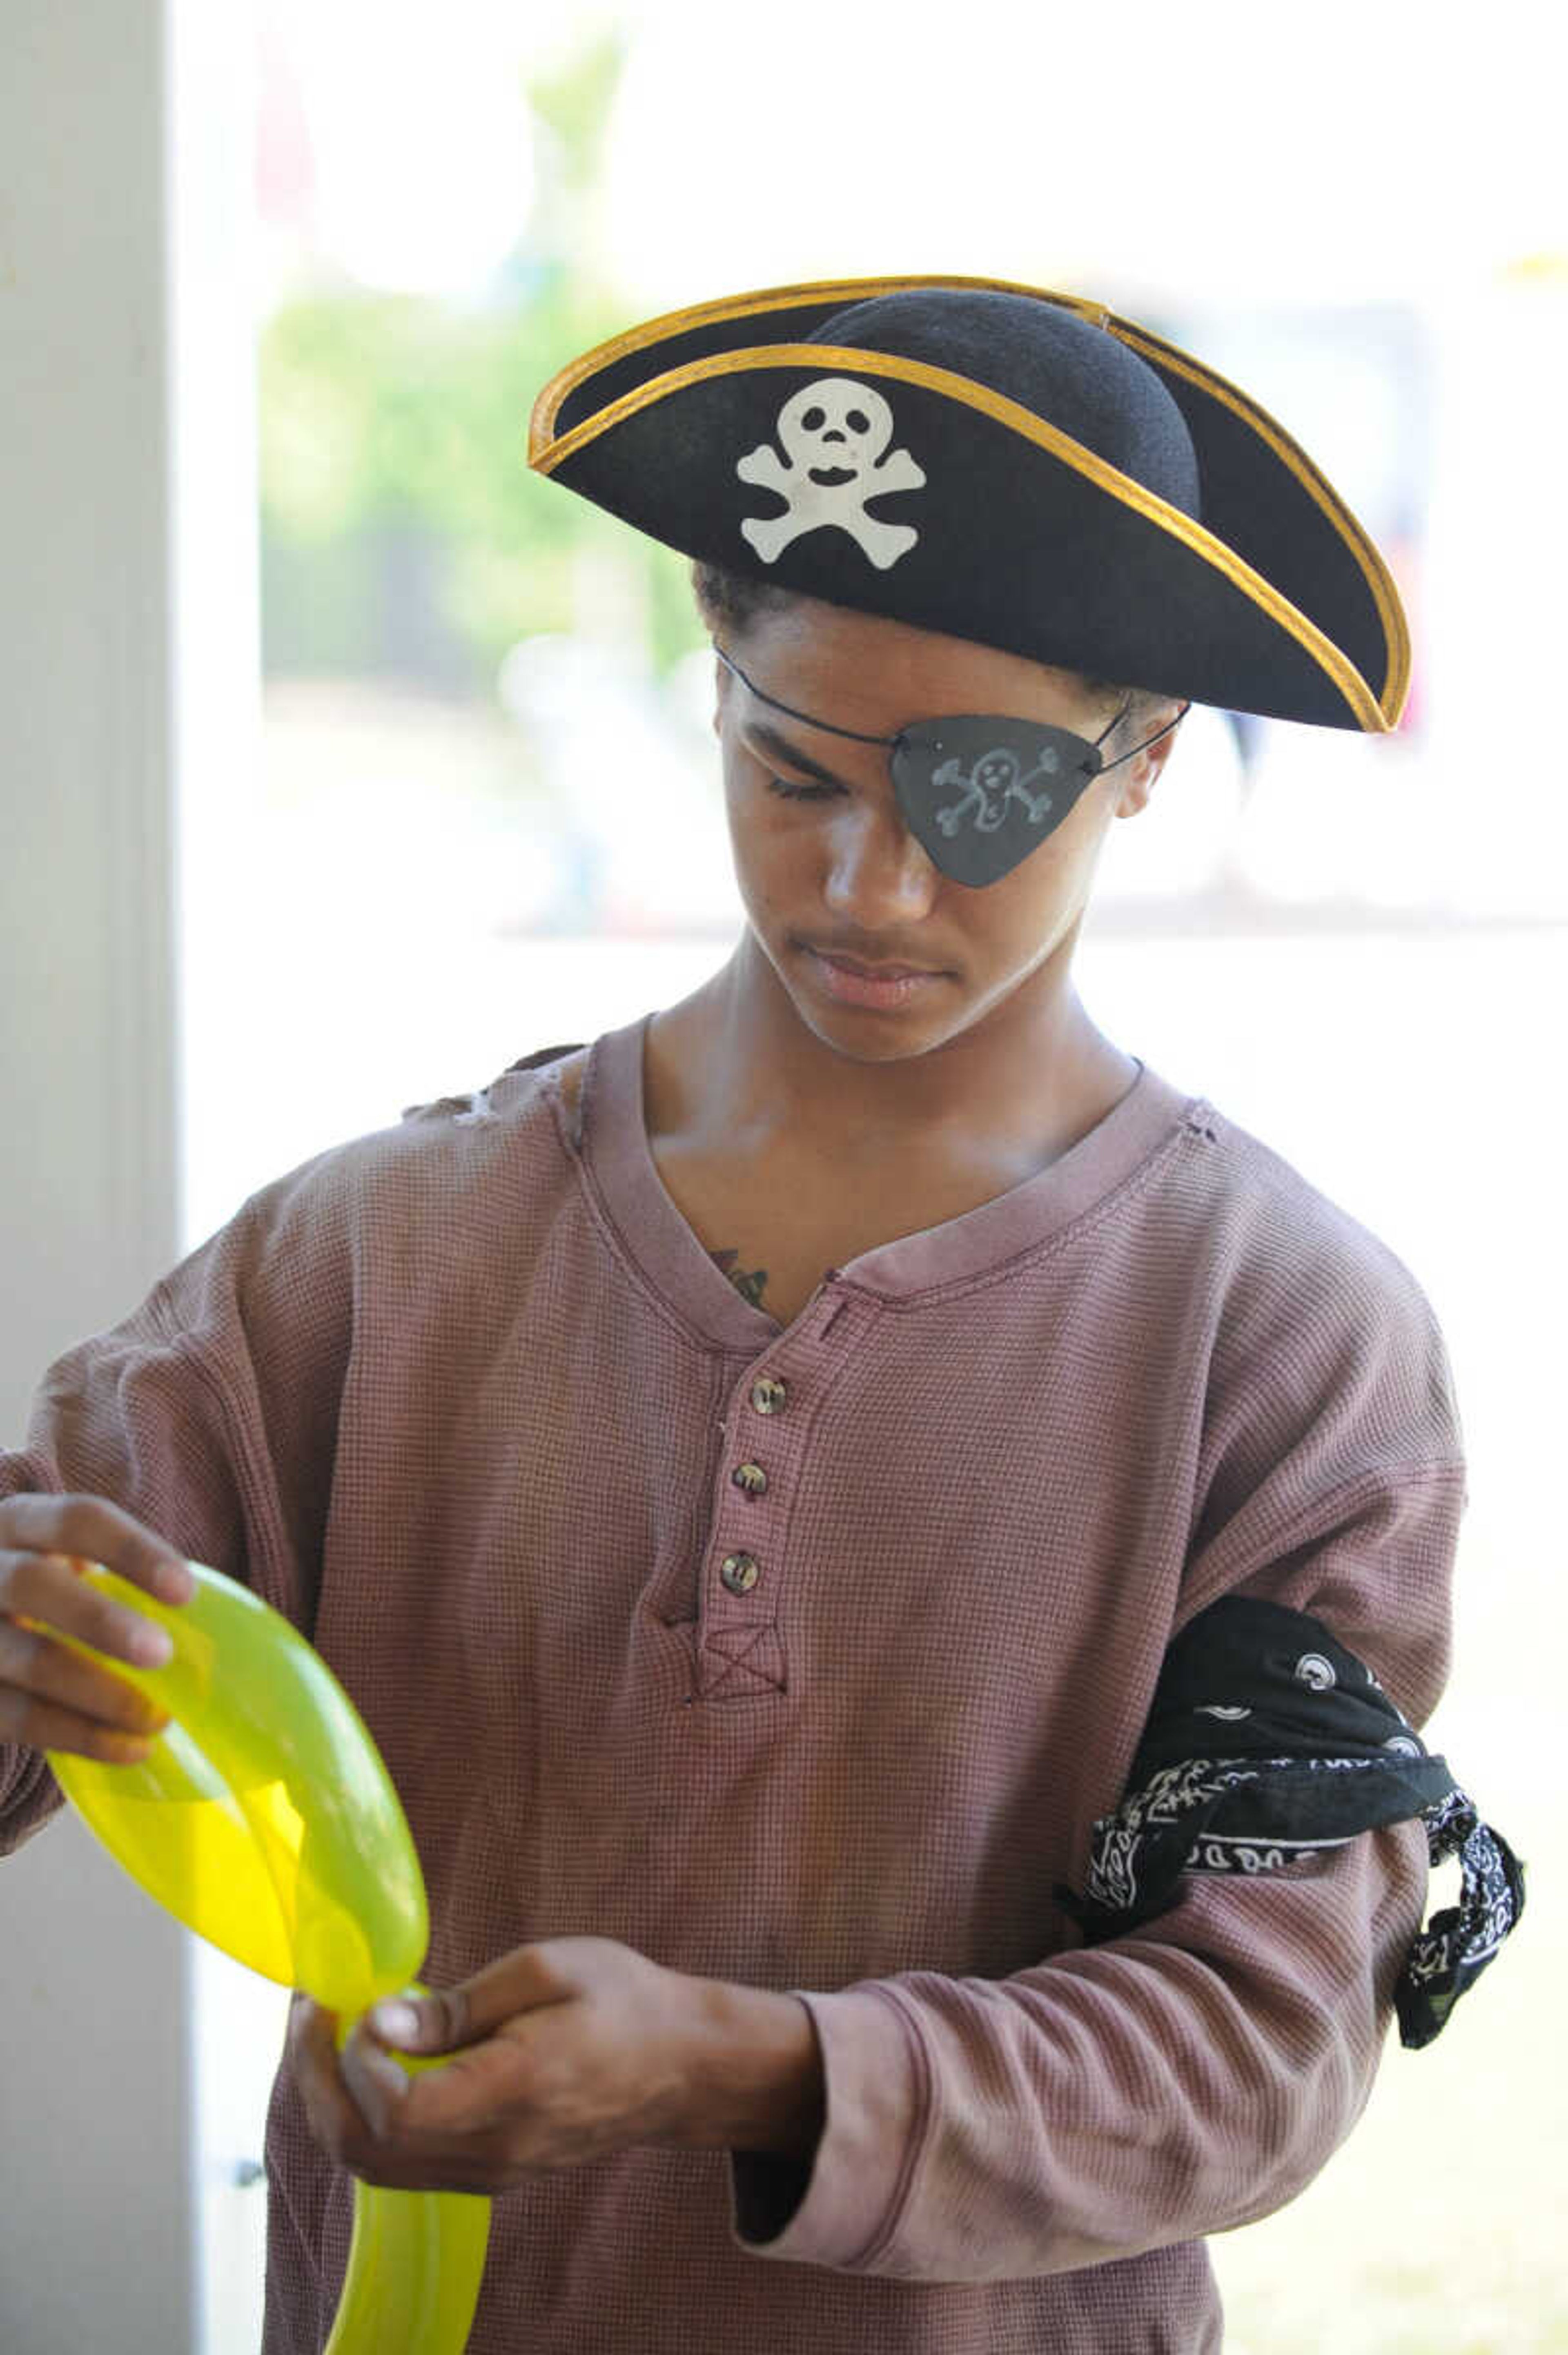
(467, 1400)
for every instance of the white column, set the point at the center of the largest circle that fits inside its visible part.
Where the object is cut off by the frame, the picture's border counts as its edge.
(233, 2020)
(102, 576)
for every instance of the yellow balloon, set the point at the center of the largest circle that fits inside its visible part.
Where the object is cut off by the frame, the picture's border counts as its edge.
(264, 1820)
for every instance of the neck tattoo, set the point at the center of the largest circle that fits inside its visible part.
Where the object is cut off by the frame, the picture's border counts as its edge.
(750, 1283)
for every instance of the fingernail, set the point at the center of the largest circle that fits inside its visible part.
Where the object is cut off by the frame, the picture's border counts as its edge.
(395, 2023)
(152, 1647)
(174, 1581)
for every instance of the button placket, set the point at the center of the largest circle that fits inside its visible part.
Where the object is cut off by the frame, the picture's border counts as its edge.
(766, 1428)
(740, 1568)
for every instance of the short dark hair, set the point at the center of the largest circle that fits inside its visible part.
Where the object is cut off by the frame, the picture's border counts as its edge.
(733, 601)
(728, 603)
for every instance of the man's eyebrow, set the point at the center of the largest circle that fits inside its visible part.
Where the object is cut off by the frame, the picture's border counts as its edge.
(773, 741)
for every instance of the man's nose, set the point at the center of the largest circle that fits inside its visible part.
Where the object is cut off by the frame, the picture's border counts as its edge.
(877, 871)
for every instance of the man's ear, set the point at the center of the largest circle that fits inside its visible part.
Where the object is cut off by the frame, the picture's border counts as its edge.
(1138, 779)
(721, 691)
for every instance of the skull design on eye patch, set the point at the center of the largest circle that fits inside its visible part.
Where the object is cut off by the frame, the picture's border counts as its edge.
(979, 793)
(994, 782)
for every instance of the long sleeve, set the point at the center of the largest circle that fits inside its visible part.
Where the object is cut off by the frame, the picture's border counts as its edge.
(208, 1415)
(1195, 2075)
(1150, 2091)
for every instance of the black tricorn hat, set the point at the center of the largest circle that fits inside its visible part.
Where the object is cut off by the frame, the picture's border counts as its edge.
(1000, 464)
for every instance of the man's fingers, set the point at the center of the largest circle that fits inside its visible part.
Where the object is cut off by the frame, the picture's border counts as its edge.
(49, 1672)
(478, 2090)
(375, 2081)
(447, 2018)
(313, 2057)
(358, 2116)
(94, 1530)
(48, 1590)
(44, 1725)
(52, 1697)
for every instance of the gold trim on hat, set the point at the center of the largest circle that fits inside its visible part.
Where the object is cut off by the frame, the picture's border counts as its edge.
(545, 455)
(836, 292)
(1389, 611)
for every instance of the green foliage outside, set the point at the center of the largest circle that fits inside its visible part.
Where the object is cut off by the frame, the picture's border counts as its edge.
(401, 528)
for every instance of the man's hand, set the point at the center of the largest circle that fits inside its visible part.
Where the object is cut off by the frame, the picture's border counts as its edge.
(50, 1698)
(563, 2050)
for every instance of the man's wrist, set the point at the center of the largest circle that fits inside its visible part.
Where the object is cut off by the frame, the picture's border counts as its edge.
(755, 2072)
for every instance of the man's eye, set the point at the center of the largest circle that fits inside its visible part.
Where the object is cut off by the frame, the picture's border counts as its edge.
(790, 792)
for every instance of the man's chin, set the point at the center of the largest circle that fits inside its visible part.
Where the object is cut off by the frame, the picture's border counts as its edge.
(857, 1037)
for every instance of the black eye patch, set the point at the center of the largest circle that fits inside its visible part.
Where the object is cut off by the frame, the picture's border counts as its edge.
(979, 793)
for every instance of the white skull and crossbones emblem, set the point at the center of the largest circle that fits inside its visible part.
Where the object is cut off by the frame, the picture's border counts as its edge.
(835, 433)
(994, 782)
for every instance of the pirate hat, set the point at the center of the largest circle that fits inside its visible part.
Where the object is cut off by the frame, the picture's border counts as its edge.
(1000, 464)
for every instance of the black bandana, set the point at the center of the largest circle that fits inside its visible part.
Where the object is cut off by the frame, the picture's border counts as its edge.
(1268, 1742)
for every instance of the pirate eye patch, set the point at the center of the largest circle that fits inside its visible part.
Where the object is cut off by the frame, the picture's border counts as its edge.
(978, 791)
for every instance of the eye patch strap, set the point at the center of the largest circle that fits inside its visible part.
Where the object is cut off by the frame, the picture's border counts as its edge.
(790, 712)
(1133, 755)
(854, 735)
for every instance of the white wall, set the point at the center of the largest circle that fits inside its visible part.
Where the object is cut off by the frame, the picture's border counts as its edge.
(95, 2247)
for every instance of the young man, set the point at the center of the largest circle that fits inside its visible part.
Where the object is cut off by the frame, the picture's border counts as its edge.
(885, 1548)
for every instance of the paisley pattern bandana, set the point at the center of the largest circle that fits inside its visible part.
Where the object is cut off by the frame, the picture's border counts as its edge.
(1267, 1743)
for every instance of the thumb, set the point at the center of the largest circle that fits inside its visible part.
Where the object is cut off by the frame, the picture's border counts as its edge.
(441, 2020)
(421, 2020)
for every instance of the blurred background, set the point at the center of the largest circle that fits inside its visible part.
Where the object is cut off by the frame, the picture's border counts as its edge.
(449, 646)
(447, 792)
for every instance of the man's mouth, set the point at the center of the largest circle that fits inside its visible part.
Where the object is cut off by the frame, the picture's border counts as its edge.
(876, 972)
(884, 988)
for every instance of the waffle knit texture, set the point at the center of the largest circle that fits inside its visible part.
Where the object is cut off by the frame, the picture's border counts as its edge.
(463, 1400)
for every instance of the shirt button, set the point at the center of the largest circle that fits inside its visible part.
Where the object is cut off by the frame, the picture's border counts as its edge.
(741, 1573)
(768, 1394)
(751, 1478)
